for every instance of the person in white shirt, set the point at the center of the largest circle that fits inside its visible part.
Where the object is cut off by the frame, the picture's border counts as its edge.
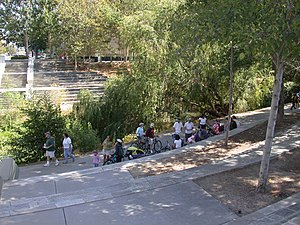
(67, 144)
(202, 121)
(178, 126)
(188, 126)
(177, 142)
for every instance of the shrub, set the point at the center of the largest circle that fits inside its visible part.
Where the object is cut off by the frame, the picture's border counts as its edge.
(41, 116)
(84, 138)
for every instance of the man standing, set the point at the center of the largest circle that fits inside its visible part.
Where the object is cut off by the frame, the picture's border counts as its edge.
(49, 146)
(188, 126)
(178, 126)
(202, 120)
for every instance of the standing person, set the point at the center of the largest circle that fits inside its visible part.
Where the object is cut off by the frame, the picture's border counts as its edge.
(202, 120)
(140, 131)
(50, 149)
(188, 126)
(150, 134)
(294, 101)
(68, 147)
(95, 159)
(119, 152)
(107, 148)
(178, 126)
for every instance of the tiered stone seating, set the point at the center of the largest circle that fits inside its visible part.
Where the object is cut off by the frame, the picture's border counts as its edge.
(60, 74)
(15, 74)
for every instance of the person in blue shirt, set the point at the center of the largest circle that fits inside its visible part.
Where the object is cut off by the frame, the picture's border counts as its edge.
(140, 131)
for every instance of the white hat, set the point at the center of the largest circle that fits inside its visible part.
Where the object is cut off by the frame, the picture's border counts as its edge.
(119, 140)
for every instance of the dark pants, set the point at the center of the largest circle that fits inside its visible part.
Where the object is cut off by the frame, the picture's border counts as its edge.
(119, 158)
(203, 126)
(187, 136)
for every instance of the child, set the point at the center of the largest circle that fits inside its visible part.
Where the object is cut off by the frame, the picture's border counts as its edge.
(95, 159)
(216, 127)
(177, 142)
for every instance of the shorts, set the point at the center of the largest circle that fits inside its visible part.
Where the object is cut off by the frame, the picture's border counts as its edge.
(107, 151)
(51, 154)
(150, 141)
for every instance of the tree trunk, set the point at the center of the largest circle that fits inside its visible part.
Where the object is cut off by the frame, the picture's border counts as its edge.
(230, 96)
(50, 45)
(75, 62)
(26, 40)
(280, 114)
(264, 167)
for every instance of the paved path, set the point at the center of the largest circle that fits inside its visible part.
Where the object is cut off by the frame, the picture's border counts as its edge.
(69, 195)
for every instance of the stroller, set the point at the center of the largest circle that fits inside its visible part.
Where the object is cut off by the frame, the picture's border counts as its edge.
(134, 153)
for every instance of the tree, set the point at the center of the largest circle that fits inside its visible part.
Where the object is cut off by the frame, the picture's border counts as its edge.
(44, 26)
(269, 27)
(280, 34)
(41, 116)
(15, 20)
(85, 27)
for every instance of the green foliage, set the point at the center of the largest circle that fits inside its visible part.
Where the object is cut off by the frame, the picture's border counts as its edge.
(2, 47)
(84, 138)
(6, 139)
(41, 116)
(10, 113)
(257, 94)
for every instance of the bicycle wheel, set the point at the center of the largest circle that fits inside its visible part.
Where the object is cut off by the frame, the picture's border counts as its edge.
(147, 150)
(134, 144)
(108, 162)
(157, 146)
(166, 148)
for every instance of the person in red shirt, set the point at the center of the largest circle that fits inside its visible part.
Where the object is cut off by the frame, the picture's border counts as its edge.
(150, 133)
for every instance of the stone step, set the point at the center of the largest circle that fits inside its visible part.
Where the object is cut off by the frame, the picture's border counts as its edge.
(14, 80)
(16, 66)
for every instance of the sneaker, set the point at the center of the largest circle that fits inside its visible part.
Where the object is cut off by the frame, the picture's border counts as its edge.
(73, 159)
(56, 163)
(46, 165)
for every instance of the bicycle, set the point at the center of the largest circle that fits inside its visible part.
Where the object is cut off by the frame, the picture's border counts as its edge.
(168, 147)
(154, 145)
(157, 144)
(111, 160)
(139, 143)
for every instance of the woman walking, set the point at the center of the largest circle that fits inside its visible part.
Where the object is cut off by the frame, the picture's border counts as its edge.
(68, 148)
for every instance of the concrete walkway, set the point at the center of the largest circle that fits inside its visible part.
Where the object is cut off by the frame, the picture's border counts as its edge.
(78, 194)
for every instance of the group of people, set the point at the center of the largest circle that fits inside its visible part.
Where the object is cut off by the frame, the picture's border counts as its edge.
(109, 149)
(190, 131)
(50, 148)
(149, 134)
(194, 133)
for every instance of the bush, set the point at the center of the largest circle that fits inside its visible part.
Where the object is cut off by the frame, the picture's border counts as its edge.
(6, 137)
(84, 138)
(41, 115)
